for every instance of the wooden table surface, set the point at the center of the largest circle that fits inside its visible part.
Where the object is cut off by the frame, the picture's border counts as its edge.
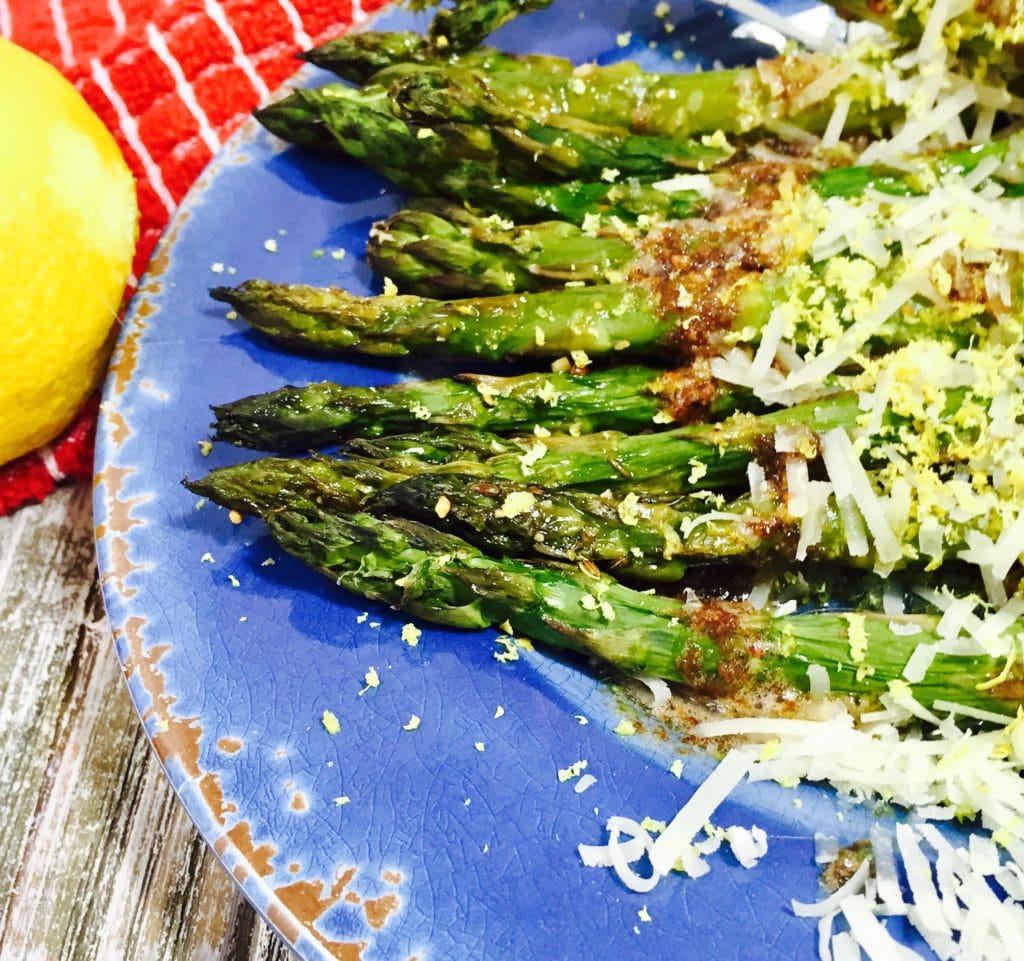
(97, 858)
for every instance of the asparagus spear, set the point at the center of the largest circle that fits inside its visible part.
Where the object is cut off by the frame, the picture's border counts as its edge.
(447, 93)
(737, 101)
(598, 320)
(448, 448)
(525, 147)
(637, 539)
(706, 456)
(653, 466)
(628, 398)
(467, 22)
(361, 56)
(358, 55)
(727, 286)
(270, 483)
(713, 648)
(567, 146)
(457, 162)
(435, 248)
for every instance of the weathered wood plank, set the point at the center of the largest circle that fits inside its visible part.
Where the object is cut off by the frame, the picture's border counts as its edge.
(100, 861)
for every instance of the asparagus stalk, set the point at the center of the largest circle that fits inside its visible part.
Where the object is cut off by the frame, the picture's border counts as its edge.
(271, 483)
(713, 648)
(469, 21)
(598, 320)
(635, 539)
(437, 450)
(653, 466)
(566, 146)
(642, 317)
(459, 162)
(737, 101)
(362, 56)
(435, 248)
(442, 448)
(628, 398)
(517, 145)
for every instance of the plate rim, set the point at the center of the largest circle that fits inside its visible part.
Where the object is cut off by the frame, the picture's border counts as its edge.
(144, 686)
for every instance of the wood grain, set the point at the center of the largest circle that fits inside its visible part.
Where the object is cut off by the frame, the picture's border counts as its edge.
(99, 859)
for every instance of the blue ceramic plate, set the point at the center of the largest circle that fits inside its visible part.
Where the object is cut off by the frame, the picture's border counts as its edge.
(456, 839)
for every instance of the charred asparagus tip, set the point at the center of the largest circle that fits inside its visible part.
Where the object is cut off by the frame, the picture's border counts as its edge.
(227, 295)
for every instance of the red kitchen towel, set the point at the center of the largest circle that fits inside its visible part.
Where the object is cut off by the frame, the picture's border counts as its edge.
(172, 79)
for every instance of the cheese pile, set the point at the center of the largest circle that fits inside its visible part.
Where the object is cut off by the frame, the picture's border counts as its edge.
(933, 472)
(937, 275)
(951, 84)
(966, 902)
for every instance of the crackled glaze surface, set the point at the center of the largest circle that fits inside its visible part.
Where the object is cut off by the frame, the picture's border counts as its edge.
(453, 840)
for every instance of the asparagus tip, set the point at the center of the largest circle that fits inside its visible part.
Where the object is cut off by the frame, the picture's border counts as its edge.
(227, 295)
(268, 117)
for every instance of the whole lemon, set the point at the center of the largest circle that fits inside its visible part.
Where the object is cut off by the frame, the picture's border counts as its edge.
(68, 227)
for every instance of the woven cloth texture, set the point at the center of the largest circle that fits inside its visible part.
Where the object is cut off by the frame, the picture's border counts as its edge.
(171, 79)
